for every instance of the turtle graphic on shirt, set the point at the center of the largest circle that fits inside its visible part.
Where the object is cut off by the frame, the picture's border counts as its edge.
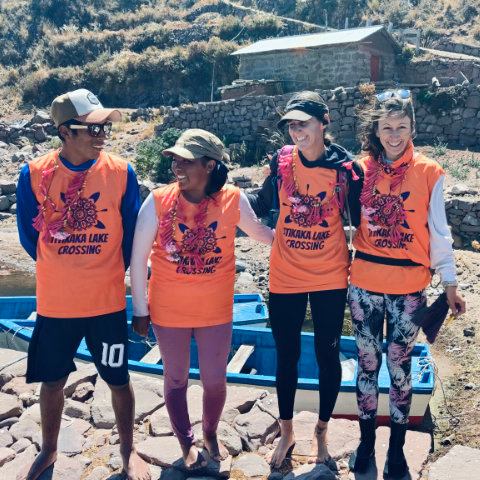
(82, 214)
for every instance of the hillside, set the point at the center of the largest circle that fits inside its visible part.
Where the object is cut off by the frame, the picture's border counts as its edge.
(153, 52)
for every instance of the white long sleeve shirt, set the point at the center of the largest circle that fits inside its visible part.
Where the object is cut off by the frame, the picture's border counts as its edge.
(442, 259)
(146, 231)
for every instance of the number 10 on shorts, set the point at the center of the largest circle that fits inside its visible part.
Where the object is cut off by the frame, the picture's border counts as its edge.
(112, 355)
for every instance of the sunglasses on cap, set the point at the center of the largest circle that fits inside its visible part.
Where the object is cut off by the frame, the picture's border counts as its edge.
(94, 129)
(401, 93)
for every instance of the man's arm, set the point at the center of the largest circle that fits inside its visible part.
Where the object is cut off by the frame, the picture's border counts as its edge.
(27, 210)
(262, 201)
(129, 210)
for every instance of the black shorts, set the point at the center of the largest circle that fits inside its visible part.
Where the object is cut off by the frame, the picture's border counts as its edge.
(55, 341)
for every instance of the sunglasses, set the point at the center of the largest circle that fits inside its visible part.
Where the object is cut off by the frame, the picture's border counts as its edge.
(94, 129)
(401, 93)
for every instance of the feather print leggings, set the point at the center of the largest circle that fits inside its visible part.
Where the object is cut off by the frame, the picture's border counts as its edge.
(368, 312)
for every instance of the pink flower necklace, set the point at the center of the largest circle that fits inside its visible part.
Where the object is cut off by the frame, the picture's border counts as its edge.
(306, 210)
(192, 244)
(384, 211)
(58, 228)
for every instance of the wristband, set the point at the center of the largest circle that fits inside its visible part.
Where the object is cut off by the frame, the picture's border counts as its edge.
(451, 283)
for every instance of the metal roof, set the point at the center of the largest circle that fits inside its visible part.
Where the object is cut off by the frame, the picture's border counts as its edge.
(351, 35)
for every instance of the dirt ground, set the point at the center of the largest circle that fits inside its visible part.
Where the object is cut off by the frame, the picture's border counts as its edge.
(455, 408)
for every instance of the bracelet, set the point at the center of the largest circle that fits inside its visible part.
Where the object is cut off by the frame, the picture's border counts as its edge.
(451, 283)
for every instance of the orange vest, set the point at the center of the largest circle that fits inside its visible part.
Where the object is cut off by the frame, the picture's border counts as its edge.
(181, 295)
(83, 275)
(414, 244)
(309, 258)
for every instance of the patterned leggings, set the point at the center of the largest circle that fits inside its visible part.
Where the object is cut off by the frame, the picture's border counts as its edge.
(368, 312)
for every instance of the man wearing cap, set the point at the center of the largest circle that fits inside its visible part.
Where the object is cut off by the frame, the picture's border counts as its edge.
(76, 213)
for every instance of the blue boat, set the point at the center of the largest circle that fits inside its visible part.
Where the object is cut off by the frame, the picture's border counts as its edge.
(252, 363)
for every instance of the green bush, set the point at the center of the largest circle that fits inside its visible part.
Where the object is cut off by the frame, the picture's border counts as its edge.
(150, 163)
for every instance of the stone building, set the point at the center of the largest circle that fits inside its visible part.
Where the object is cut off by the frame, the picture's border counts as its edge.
(322, 60)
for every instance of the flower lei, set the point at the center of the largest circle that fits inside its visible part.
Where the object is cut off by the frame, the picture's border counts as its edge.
(57, 228)
(306, 210)
(192, 244)
(384, 211)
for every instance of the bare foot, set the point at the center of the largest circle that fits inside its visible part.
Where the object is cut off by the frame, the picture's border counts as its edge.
(135, 467)
(192, 458)
(319, 451)
(284, 448)
(215, 448)
(41, 463)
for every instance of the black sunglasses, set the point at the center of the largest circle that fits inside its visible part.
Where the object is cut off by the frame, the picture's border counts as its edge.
(94, 129)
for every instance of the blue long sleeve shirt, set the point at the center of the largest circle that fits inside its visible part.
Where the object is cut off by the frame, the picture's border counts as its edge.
(27, 209)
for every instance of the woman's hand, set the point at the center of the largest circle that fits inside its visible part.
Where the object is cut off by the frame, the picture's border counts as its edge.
(455, 301)
(140, 325)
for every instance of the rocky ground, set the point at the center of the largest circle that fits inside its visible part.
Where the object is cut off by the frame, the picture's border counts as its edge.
(90, 450)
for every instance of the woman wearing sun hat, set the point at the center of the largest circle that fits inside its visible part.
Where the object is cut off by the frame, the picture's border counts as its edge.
(310, 185)
(188, 227)
(402, 235)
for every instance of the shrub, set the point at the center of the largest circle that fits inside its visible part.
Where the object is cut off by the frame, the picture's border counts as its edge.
(150, 163)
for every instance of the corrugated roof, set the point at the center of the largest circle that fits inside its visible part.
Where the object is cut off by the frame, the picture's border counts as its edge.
(351, 35)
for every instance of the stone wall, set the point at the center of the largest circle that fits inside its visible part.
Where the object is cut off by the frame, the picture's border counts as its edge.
(37, 130)
(247, 119)
(445, 69)
(464, 48)
(463, 212)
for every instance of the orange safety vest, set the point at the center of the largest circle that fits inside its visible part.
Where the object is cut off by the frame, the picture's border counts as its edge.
(308, 258)
(180, 294)
(414, 243)
(83, 275)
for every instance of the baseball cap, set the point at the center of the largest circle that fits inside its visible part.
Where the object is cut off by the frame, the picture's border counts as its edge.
(81, 105)
(196, 143)
(303, 106)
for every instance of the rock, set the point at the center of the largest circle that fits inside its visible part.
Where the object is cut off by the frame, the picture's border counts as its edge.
(83, 391)
(86, 372)
(71, 440)
(161, 451)
(242, 399)
(18, 385)
(150, 400)
(41, 117)
(4, 203)
(32, 413)
(240, 266)
(8, 422)
(245, 283)
(98, 473)
(77, 409)
(25, 428)
(115, 461)
(21, 444)
(311, 472)
(226, 434)
(13, 208)
(469, 332)
(10, 406)
(461, 189)
(251, 465)
(11, 469)
(160, 425)
(64, 468)
(256, 428)
(269, 404)
(469, 386)
(460, 463)
(5, 439)
(12, 364)
(7, 186)
(6, 455)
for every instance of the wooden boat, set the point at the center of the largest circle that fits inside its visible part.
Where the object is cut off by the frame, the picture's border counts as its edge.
(252, 363)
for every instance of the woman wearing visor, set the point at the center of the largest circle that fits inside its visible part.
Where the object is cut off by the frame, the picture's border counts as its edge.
(310, 185)
(402, 235)
(188, 228)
